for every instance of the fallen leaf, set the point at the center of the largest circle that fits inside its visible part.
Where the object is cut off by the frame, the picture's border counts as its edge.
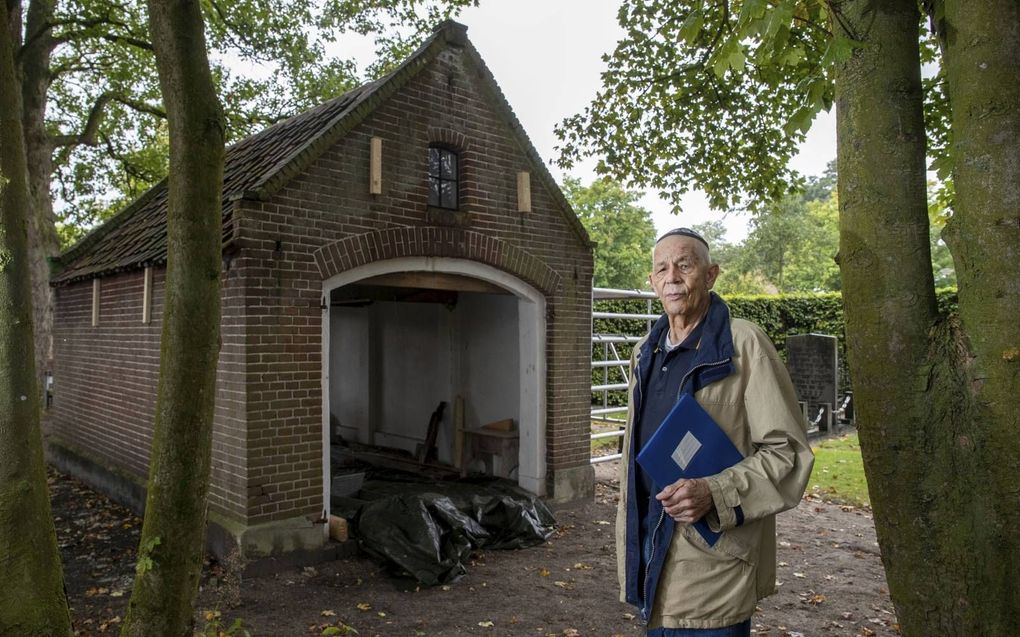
(364, 606)
(565, 585)
(486, 624)
(328, 613)
(571, 632)
(544, 572)
(799, 575)
(581, 566)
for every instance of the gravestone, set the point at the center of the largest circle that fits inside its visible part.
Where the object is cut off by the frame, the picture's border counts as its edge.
(813, 363)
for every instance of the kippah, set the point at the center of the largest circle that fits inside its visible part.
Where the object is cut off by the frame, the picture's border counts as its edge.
(683, 232)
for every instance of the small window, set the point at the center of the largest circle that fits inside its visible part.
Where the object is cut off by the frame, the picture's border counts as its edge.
(442, 178)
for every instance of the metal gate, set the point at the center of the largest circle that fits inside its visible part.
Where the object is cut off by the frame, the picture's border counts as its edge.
(614, 365)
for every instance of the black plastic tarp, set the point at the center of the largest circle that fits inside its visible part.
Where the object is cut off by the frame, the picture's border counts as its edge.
(428, 528)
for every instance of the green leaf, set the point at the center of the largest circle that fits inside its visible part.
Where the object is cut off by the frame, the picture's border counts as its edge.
(792, 56)
(800, 121)
(691, 27)
(752, 10)
(736, 60)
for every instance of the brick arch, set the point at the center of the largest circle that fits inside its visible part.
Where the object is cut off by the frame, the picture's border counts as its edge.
(435, 241)
(448, 137)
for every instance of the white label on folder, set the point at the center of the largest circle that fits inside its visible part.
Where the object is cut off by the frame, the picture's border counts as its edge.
(684, 452)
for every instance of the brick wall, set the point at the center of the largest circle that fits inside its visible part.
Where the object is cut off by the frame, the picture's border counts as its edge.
(105, 381)
(446, 102)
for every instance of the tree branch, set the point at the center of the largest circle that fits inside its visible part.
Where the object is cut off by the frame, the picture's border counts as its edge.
(90, 134)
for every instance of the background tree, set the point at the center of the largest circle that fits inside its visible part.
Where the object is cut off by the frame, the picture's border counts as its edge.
(716, 95)
(623, 231)
(32, 600)
(793, 244)
(790, 246)
(172, 541)
(95, 129)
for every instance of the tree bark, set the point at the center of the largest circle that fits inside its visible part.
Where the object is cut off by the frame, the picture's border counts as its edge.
(940, 459)
(173, 533)
(32, 600)
(43, 241)
(982, 65)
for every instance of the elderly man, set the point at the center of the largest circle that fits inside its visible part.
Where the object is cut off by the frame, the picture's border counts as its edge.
(682, 585)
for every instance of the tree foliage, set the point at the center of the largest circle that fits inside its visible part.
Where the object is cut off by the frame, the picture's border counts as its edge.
(717, 96)
(623, 231)
(709, 95)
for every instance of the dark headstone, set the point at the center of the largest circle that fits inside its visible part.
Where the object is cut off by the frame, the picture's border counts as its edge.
(813, 363)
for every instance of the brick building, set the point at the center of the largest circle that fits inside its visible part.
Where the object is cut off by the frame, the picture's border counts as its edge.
(397, 246)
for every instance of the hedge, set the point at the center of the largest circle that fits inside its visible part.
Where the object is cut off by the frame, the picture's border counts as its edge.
(780, 316)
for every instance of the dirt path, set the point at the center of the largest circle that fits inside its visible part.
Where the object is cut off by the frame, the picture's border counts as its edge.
(831, 575)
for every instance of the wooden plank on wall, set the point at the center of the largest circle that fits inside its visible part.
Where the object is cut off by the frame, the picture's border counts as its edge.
(523, 191)
(95, 301)
(147, 297)
(375, 167)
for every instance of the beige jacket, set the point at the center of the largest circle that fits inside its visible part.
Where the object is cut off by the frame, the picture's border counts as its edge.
(712, 587)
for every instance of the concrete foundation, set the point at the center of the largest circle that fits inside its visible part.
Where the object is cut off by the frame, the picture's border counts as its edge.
(573, 484)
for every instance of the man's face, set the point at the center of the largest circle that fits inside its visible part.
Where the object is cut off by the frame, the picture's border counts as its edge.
(681, 276)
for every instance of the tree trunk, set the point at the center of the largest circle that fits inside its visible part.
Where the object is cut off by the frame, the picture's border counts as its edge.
(43, 241)
(32, 598)
(173, 533)
(982, 63)
(926, 432)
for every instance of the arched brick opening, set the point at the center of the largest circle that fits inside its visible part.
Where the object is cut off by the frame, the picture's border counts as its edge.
(522, 327)
(435, 241)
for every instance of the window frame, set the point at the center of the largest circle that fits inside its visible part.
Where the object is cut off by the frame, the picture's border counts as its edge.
(439, 178)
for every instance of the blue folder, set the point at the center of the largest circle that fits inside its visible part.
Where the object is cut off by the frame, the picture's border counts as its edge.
(688, 444)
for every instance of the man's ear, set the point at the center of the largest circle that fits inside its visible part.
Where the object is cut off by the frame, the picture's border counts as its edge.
(713, 274)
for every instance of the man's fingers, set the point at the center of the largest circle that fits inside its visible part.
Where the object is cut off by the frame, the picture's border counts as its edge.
(675, 490)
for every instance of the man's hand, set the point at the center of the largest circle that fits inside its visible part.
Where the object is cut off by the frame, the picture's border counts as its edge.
(686, 501)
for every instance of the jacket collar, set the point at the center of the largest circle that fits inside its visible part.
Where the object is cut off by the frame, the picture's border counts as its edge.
(716, 338)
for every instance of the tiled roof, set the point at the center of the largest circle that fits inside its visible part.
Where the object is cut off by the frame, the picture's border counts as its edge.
(257, 166)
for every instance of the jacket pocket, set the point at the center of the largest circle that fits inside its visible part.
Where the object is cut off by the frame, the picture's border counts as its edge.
(701, 583)
(741, 542)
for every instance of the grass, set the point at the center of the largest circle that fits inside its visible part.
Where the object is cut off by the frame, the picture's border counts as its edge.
(838, 475)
